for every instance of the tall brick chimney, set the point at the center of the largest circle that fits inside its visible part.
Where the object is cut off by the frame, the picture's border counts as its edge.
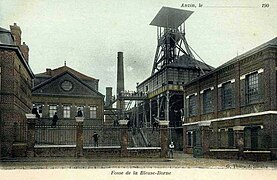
(25, 50)
(109, 96)
(16, 32)
(49, 71)
(120, 79)
(120, 73)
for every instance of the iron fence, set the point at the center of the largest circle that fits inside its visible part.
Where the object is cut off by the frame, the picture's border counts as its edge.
(107, 136)
(66, 135)
(59, 135)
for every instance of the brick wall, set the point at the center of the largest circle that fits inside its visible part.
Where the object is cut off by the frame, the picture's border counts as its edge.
(15, 95)
(94, 152)
(263, 60)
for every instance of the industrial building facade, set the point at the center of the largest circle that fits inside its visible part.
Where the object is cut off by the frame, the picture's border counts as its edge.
(233, 108)
(164, 90)
(64, 90)
(175, 64)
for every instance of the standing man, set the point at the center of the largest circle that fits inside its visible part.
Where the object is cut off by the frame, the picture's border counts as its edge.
(155, 125)
(171, 148)
(54, 120)
(79, 113)
(95, 139)
(35, 111)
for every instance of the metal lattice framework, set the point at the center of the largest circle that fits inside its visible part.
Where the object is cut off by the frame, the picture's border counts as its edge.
(172, 43)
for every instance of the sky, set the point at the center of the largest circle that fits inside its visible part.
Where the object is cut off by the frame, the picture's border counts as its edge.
(88, 34)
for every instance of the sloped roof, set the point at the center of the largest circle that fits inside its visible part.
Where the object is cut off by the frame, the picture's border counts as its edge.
(3, 30)
(21, 57)
(61, 74)
(60, 70)
(6, 37)
(270, 43)
(189, 63)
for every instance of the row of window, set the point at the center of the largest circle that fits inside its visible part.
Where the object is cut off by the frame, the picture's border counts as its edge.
(227, 95)
(226, 139)
(52, 109)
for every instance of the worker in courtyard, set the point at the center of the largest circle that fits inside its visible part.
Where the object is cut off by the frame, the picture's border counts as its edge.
(129, 125)
(55, 119)
(95, 139)
(171, 148)
(155, 125)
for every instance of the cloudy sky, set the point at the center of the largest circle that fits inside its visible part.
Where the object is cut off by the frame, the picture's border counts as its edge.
(88, 34)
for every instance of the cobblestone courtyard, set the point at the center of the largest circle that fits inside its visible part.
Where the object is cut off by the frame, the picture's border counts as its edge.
(180, 161)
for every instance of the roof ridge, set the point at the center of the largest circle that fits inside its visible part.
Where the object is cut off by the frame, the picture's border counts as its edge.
(69, 69)
(61, 74)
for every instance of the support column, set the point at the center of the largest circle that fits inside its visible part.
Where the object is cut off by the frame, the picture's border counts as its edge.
(239, 139)
(79, 136)
(215, 137)
(206, 133)
(137, 114)
(150, 113)
(237, 88)
(123, 137)
(144, 119)
(158, 107)
(31, 120)
(164, 138)
(185, 138)
(167, 106)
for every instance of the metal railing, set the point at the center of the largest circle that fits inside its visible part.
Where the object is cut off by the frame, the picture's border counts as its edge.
(59, 135)
(107, 136)
(66, 135)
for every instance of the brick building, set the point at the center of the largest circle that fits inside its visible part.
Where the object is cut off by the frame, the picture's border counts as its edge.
(233, 108)
(15, 88)
(64, 90)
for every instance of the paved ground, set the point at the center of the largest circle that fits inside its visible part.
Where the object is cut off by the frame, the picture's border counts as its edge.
(180, 161)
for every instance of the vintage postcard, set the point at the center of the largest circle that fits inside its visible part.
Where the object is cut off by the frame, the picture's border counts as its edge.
(138, 89)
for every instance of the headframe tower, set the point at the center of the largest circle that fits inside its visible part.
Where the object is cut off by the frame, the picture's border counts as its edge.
(172, 44)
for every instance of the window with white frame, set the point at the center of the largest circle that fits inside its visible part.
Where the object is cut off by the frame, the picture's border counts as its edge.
(207, 101)
(52, 110)
(227, 95)
(192, 105)
(92, 112)
(66, 111)
(252, 87)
